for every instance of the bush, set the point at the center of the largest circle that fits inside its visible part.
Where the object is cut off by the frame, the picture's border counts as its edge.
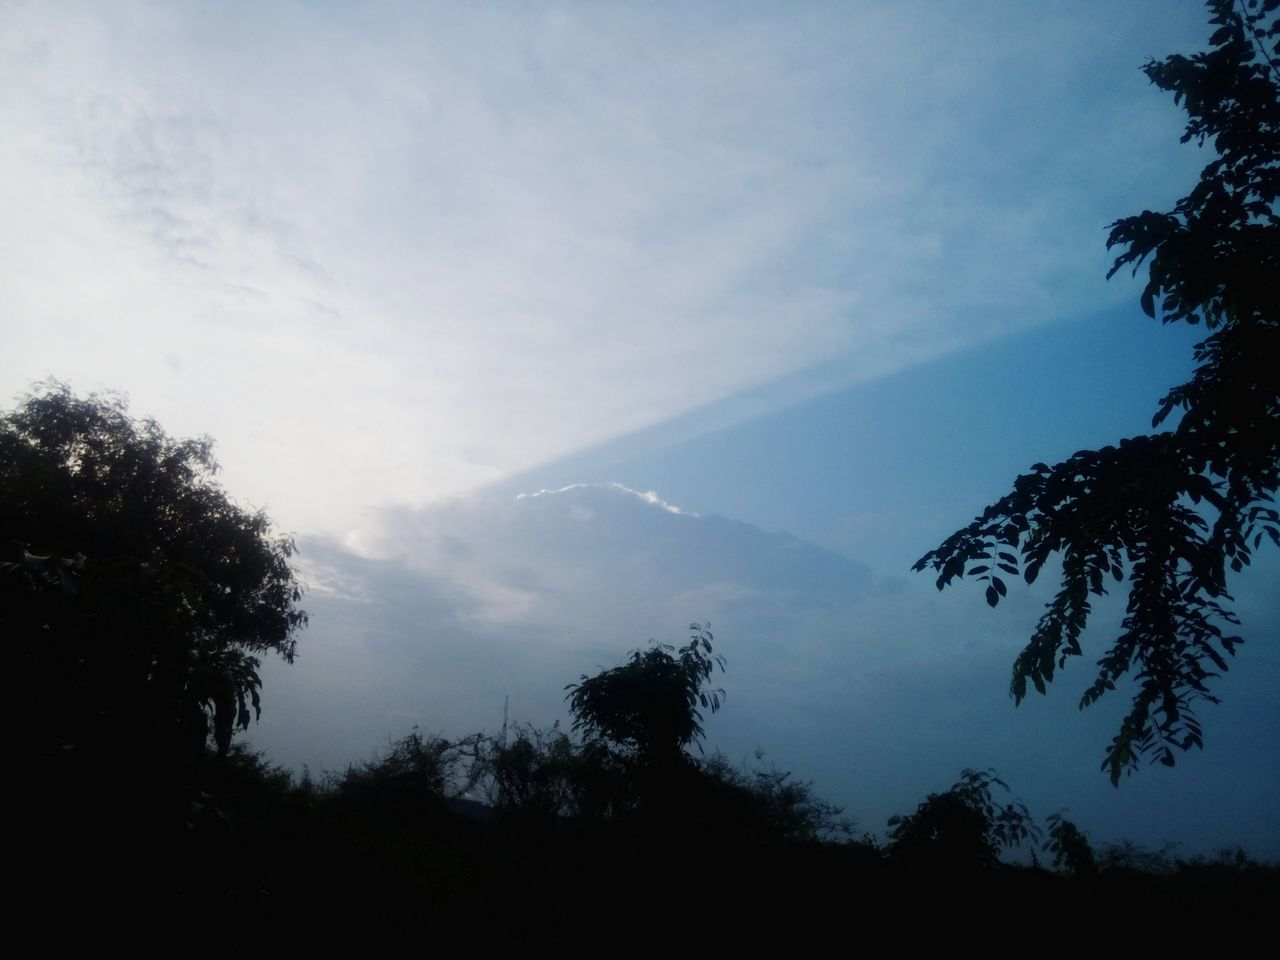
(963, 828)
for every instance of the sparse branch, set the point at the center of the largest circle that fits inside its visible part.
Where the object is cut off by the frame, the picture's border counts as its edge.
(1172, 512)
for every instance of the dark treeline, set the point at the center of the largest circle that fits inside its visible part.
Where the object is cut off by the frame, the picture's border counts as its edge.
(541, 838)
(573, 843)
(620, 833)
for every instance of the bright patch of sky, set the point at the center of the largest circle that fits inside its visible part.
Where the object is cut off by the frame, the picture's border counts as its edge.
(385, 252)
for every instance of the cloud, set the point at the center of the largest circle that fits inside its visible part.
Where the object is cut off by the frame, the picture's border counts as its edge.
(585, 513)
(455, 606)
(454, 242)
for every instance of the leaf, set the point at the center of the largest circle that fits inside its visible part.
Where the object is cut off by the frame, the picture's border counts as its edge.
(1172, 513)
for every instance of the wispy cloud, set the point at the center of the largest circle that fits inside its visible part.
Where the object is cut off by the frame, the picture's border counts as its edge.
(450, 242)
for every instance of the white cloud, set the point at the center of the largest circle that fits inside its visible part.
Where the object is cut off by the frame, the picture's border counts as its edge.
(648, 496)
(386, 254)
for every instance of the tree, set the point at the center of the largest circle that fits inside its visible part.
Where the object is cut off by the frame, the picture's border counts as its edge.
(534, 774)
(772, 805)
(649, 705)
(962, 828)
(137, 598)
(1169, 511)
(1072, 852)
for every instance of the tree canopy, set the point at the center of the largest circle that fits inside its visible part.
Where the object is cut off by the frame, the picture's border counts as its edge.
(649, 705)
(137, 596)
(1169, 512)
(964, 827)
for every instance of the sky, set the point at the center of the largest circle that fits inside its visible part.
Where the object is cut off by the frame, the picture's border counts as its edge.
(551, 328)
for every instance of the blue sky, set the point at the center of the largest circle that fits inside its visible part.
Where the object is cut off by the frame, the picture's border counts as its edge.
(832, 272)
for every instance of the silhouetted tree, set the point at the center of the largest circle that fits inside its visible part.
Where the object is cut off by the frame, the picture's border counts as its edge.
(773, 805)
(1071, 849)
(649, 705)
(135, 596)
(1170, 511)
(534, 773)
(962, 828)
(419, 769)
(543, 776)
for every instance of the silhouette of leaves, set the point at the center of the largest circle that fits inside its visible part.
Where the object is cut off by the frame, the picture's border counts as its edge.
(1172, 511)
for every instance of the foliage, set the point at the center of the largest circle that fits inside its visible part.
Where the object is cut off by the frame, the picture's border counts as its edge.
(1071, 850)
(962, 828)
(795, 811)
(649, 705)
(534, 774)
(544, 775)
(419, 768)
(782, 807)
(138, 596)
(638, 717)
(1170, 511)
(1126, 857)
